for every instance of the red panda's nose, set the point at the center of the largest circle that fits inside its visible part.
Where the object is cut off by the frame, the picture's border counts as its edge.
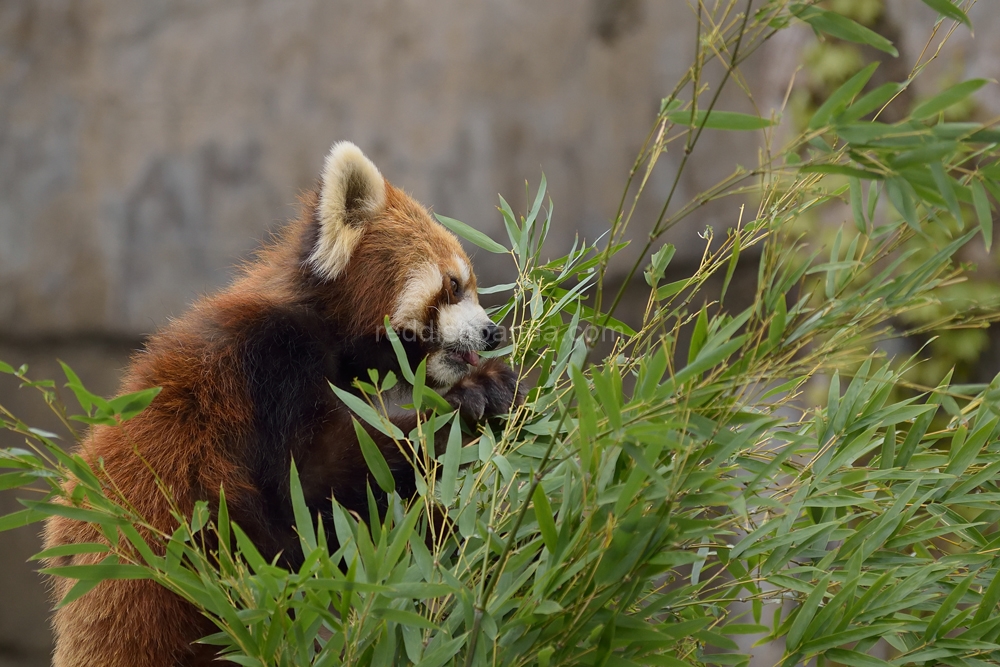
(492, 335)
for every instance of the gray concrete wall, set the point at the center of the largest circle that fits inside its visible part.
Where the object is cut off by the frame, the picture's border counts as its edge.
(145, 147)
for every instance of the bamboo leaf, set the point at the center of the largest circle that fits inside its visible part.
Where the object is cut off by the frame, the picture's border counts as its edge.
(842, 27)
(719, 120)
(698, 335)
(471, 235)
(374, 458)
(107, 569)
(367, 413)
(871, 101)
(130, 405)
(452, 454)
(403, 617)
(857, 206)
(304, 523)
(546, 522)
(982, 205)
(946, 9)
(855, 659)
(841, 97)
(805, 613)
(71, 550)
(946, 98)
(947, 191)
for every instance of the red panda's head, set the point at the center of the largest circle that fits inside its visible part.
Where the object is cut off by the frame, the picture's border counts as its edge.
(378, 252)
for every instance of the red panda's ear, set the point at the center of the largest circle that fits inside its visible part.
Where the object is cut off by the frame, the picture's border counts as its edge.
(352, 193)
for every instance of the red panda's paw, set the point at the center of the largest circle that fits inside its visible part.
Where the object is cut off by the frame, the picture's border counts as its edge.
(488, 391)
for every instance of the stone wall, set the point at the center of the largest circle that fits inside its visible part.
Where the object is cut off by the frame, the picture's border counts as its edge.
(146, 147)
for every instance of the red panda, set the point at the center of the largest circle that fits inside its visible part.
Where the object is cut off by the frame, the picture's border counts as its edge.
(245, 389)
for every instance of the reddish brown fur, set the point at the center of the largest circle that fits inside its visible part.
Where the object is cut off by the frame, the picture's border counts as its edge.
(190, 434)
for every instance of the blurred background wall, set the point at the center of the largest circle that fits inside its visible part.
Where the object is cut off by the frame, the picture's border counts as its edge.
(146, 147)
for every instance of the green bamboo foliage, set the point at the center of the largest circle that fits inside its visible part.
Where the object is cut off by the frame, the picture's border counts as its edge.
(658, 502)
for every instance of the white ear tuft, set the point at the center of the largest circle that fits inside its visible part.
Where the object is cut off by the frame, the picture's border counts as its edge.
(353, 192)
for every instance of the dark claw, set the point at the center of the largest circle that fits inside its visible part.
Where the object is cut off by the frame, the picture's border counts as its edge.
(488, 391)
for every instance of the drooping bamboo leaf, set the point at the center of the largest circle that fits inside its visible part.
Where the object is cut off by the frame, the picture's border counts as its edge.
(367, 413)
(842, 27)
(948, 10)
(471, 235)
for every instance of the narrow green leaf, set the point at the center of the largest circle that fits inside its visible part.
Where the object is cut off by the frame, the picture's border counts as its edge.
(247, 549)
(873, 193)
(871, 101)
(397, 346)
(888, 455)
(805, 613)
(949, 604)
(405, 618)
(988, 602)
(842, 27)
(708, 358)
(947, 98)
(586, 409)
(304, 522)
(86, 399)
(776, 328)
(949, 11)
(367, 413)
(72, 550)
(698, 335)
(822, 644)
(452, 454)
(842, 170)
(608, 391)
(140, 544)
(719, 120)
(70, 512)
(419, 382)
(731, 269)
(510, 222)
(539, 198)
(79, 589)
(546, 521)
(471, 235)
(855, 659)
(841, 97)
(947, 191)
(100, 571)
(130, 405)
(373, 457)
(671, 289)
(658, 264)
(902, 196)
(857, 206)
(438, 655)
(401, 537)
(982, 205)
(13, 480)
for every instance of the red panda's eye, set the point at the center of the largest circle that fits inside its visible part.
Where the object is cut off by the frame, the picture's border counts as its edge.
(455, 287)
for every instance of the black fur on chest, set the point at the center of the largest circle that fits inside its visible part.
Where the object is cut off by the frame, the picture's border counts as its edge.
(289, 359)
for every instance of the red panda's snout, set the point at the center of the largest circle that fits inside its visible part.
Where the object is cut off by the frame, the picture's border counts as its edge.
(462, 330)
